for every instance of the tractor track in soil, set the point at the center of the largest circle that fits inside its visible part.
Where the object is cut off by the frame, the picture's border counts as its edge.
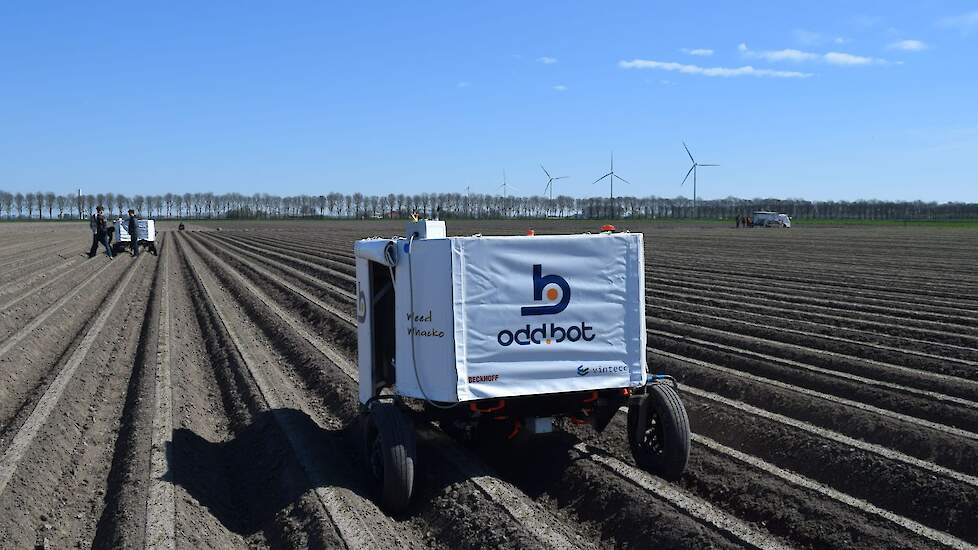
(911, 523)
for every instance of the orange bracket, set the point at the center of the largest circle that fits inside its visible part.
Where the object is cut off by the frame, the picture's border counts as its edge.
(474, 407)
(516, 430)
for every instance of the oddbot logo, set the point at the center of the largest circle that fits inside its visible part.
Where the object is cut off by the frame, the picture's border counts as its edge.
(540, 283)
(552, 288)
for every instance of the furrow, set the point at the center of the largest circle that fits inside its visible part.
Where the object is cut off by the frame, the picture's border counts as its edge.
(695, 506)
(811, 368)
(935, 535)
(964, 434)
(963, 386)
(820, 336)
(160, 505)
(834, 436)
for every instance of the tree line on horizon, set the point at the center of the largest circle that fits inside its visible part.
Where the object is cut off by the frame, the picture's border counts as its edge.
(458, 205)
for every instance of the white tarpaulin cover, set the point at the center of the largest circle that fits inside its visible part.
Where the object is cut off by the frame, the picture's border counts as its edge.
(509, 316)
(145, 228)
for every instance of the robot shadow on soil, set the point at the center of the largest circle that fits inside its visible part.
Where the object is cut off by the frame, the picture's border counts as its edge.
(496, 337)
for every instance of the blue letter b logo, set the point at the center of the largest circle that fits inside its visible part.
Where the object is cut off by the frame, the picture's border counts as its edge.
(539, 284)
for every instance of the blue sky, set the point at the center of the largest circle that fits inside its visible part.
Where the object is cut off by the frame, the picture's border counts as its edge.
(826, 100)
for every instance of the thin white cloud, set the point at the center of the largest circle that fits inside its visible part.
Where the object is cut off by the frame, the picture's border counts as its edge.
(797, 56)
(725, 72)
(965, 22)
(547, 60)
(701, 52)
(788, 54)
(840, 40)
(462, 84)
(560, 88)
(840, 58)
(908, 45)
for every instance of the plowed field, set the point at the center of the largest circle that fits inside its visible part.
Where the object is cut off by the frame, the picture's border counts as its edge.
(206, 398)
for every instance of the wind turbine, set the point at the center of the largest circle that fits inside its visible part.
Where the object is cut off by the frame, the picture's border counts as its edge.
(506, 185)
(692, 170)
(550, 182)
(611, 181)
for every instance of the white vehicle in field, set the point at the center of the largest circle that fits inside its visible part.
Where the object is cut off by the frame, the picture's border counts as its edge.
(495, 337)
(146, 234)
(770, 219)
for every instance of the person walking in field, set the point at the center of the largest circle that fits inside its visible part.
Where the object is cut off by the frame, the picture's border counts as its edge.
(94, 227)
(133, 228)
(100, 233)
(738, 222)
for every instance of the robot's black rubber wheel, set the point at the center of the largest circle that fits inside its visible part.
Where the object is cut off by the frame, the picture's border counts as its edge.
(391, 455)
(658, 431)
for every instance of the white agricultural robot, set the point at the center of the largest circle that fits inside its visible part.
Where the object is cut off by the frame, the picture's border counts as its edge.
(496, 337)
(771, 219)
(146, 235)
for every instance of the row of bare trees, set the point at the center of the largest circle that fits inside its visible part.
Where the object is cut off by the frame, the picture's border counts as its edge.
(47, 205)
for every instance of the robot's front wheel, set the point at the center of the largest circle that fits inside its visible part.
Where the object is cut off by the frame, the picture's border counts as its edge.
(658, 431)
(391, 455)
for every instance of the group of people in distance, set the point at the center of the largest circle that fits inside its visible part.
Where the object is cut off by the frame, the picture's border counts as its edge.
(745, 221)
(103, 232)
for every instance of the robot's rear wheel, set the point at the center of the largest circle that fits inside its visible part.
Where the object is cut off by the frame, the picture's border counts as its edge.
(658, 431)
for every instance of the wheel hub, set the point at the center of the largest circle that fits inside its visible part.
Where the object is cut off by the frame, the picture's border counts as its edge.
(652, 438)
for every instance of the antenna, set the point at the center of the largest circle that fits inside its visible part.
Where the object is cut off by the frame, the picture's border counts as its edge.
(611, 181)
(692, 170)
